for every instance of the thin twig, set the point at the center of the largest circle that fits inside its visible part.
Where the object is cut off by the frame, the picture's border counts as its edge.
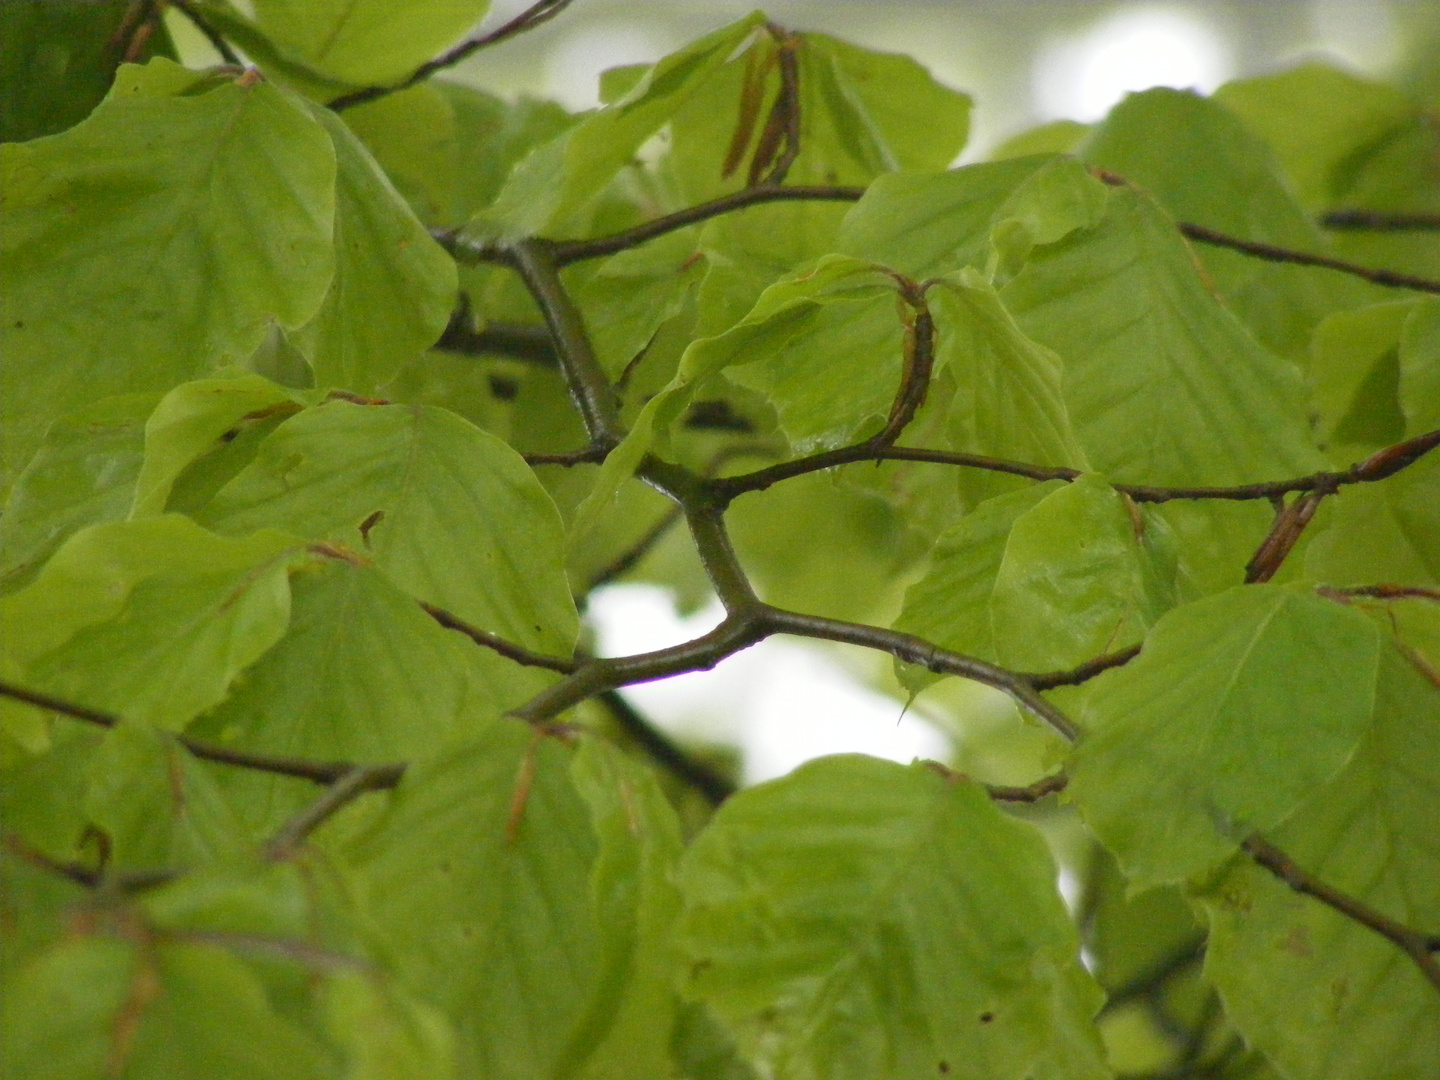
(531, 344)
(531, 17)
(345, 790)
(319, 772)
(1413, 943)
(1289, 523)
(1380, 221)
(1379, 592)
(589, 455)
(1029, 793)
(216, 39)
(1378, 466)
(1083, 672)
(715, 787)
(627, 559)
(495, 643)
(1303, 258)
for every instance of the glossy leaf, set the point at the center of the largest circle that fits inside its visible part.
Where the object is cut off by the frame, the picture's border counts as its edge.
(1164, 386)
(450, 513)
(1320, 994)
(858, 918)
(156, 240)
(1239, 705)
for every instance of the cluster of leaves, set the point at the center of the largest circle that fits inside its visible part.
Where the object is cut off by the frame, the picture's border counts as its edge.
(331, 392)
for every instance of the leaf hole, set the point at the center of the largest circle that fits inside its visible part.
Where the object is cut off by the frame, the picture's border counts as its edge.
(986, 1017)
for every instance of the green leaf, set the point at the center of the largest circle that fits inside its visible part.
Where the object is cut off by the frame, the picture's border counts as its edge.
(384, 1033)
(1043, 579)
(1384, 532)
(199, 417)
(1163, 384)
(1355, 379)
(926, 225)
(84, 473)
(1201, 164)
(156, 240)
(561, 177)
(1238, 706)
(520, 931)
(366, 41)
(862, 919)
(57, 60)
(150, 619)
(1320, 994)
(91, 1007)
(394, 287)
(448, 147)
(156, 804)
(1084, 573)
(1315, 117)
(1008, 403)
(950, 605)
(451, 514)
(362, 674)
(1420, 368)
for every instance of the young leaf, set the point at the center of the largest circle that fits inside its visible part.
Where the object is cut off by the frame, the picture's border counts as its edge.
(1355, 380)
(1164, 386)
(1319, 993)
(862, 919)
(155, 240)
(83, 474)
(366, 41)
(150, 619)
(1386, 532)
(1239, 705)
(394, 287)
(450, 513)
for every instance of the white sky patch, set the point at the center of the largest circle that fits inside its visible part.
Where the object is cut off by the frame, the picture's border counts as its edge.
(1083, 77)
(781, 702)
(574, 63)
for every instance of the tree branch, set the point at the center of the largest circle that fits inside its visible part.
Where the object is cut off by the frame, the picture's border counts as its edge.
(1303, 258)
(531, 17)
(1378, 466)
(572, 251)
(319, 772)
(1419, 947)
(665, 752)
(343, 791)
(531, 344)
(494, 642)
(1083, 672)
(1380, 221)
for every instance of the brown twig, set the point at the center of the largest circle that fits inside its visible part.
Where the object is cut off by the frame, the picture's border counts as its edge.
(1083, 672)
(319, 772)
(665, 752)
(343, 791)
(531, 17)
(1304, 258)
(216, 39)
(495, 643)
(1380, 221)
(1419, 947)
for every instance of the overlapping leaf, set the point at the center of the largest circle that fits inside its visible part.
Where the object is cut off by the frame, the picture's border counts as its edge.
(1163, 384)
(861, 919)
(1239, 705)
(150, 619)
(84, 473)
(393, 287)
(542, 925)
(156, 239)
(451, 514)
(1320, 994)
